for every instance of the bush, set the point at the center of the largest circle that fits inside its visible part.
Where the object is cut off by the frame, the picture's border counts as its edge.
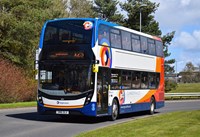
(170, 85)
(15, 86)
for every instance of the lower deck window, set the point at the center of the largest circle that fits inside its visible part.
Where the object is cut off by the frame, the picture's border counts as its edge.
(126, 79)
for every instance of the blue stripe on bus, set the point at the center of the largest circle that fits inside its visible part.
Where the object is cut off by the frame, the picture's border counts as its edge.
(90, 109)
(136, 107)
(93, 36)
(160, 104)
(42, 35)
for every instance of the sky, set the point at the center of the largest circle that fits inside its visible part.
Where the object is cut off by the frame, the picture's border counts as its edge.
(183, 17)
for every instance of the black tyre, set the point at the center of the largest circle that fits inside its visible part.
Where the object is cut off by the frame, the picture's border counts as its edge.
(115, 110)
(152, 106)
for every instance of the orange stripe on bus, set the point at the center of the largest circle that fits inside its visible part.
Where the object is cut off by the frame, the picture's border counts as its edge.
(52, 106)
(158, 64)
(147, 97)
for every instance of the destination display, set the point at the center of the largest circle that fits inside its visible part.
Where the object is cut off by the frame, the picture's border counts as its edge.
(67, 55)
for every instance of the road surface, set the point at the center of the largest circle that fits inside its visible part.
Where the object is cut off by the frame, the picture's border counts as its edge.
(25, 122)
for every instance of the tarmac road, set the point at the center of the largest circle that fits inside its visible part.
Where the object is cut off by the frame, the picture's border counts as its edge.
(25, 122)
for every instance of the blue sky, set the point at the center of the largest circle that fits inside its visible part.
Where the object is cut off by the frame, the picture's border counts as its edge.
(182, 16)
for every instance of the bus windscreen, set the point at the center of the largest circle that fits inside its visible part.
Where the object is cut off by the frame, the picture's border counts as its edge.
(67, 32)
(67, 40)
(73, 79)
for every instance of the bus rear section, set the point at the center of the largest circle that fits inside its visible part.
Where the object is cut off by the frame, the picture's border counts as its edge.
(66, 80)
(131, 71)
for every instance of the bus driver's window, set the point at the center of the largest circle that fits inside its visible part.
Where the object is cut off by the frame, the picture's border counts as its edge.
(59, 79)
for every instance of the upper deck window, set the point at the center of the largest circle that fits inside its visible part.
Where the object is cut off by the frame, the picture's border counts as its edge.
(159, 48)
(152, 47)
(115, 38)
(120, 38)
(144, 46)
(67, 32)
(67, 40)
(103, 35)
(126, 40)
(135, 43)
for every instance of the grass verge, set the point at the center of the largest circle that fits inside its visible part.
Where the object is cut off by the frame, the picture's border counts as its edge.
(18, 105)
(176, 124)
(186, 88)
(182, 98)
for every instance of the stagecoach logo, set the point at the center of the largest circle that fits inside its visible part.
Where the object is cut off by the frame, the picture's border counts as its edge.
(106, 56)
(88, 25)
(62, 102)
(121, 96)
(124, 107)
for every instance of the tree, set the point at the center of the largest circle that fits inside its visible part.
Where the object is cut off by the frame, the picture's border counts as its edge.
(198, 66)
(20, 25)
(107, 9)
(166, 42)
(77, 8)
(189, 67)
(188, 74)
(147, 8)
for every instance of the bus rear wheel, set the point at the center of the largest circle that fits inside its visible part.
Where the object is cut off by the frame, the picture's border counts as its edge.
(152, 106)
(115, 110)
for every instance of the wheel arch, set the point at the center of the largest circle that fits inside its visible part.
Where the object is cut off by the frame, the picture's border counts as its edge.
(116, 98)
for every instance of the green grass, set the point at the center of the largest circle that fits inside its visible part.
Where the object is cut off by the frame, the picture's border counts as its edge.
(18, 105)
(186, 88)
(176, 124)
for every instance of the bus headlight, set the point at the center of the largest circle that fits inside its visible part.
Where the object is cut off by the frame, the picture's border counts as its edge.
(89, 97)
(39, 98)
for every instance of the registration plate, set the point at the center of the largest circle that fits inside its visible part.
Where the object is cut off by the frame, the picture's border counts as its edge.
(62, 112)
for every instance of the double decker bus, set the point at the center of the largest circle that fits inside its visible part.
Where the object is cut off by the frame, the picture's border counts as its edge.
(96, 68)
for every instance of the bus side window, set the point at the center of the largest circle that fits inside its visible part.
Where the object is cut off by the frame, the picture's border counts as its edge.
(126, 79)
(152, 80)
(152, 47)
(159, 49)
(144, 45)
(126, 40)
(144, 80)
(115, 38)
(115, 79)
(136, 81)
(103, 33)
(136, 45)
(135, 42)
(157, 80)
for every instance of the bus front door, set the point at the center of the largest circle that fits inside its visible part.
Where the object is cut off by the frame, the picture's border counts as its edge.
(102, 90)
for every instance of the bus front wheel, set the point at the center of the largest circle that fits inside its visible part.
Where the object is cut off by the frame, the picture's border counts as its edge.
(152, 106)
(115, 110)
